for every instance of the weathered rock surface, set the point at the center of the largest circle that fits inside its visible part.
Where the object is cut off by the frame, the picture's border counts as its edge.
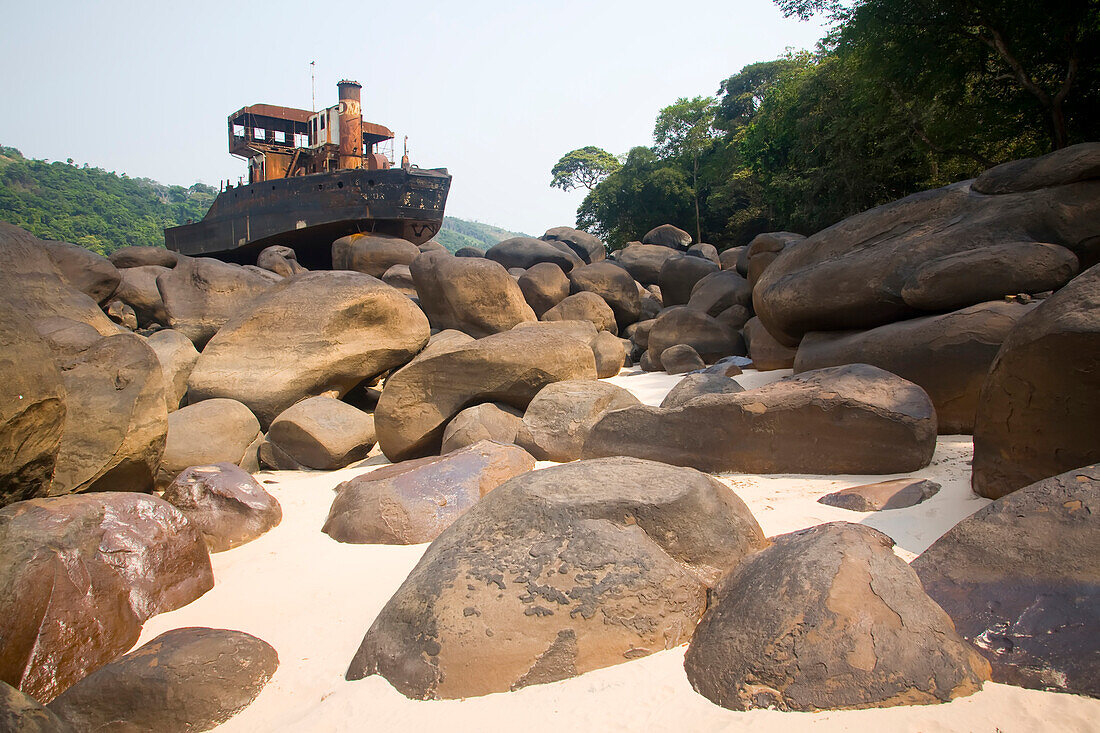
(614, 285)
(372, 254)
(470, 252)
(728, 258)
(346, 327)
(1019, 579)
(116, 418)
(476, 296)
(487, 421)
(588, 247)
(719, 291)
(189, 679)
(122, 314)
(400, 277)
(212, 431)
(767, 353)
(851, 419)
(419, 400)
(679, 276)
(32, 409)
(558, 419)
(413, 501)
(558, 572)
(281, 260)
(584, 306)
(828, 618)
(948, 355)
(142, 256)
(610, 353)
(224, 503)
(84, 270)
(81, 574)
(64, 337)
(896, 494)
(682, 325)
(1068, 165)
(855, 274)
(543, 286)
(704, 250)
(21, 713)
(1037, 409)
(644, 261)
(667, 235)
(177, 356)
(323, 433)
(525, 252)
(201, 294)
(681, 359)
(697, 385)
(138, 289)
(763, 250)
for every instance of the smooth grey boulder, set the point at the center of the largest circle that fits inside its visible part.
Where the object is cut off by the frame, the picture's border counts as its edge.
(644, 261)
(143, 256)
(212, 431)
(138, 289)
(224, 503)
(897, 494)
(470, 252)
(372, 253)
(177, 356)
(323, 433)
(614, 285)
(683, 325)
(728, 258)
(763, 250)
(1068, 165)
(279, 259)
(588, 247)
(828, 618)
(667, 235)
(84, 270)
(679, 276)
(486, 421)
(201, 295)
(525, 252)
(555, 573)
(681, 359)
(704, 250)
(717, 292)
(469, 294)
(697, 385)
(558, 419)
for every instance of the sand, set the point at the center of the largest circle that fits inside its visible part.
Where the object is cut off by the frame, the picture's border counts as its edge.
(313, 598)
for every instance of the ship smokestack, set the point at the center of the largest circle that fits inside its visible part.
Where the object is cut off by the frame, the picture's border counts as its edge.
(351, 125)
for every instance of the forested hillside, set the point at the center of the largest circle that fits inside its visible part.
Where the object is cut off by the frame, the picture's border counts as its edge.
(900, 96)
(459, 233)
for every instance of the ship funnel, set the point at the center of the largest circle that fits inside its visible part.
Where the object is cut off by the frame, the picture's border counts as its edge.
(351, 125)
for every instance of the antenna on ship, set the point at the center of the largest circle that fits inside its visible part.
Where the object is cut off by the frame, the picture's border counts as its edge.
(313, 84)
(405, 157)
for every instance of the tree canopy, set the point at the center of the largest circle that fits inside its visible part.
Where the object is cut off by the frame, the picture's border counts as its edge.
(585, 166)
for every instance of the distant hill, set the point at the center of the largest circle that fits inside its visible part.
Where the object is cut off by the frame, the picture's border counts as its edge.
(458, 233)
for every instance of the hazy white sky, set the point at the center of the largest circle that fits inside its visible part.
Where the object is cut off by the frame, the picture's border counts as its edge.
(494, 91)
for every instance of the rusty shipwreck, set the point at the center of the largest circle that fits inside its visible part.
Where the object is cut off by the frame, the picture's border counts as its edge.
(313, 177)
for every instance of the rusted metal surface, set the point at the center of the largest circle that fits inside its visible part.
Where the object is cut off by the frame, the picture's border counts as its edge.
(351, 126)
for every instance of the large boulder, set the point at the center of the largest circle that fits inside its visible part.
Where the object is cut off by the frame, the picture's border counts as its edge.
(851, 419)
(309, 334)
(719, 291)
(612, 283)
(419, 400)
(610, 353)
(1068, 165)
(143, 256)
(224, 503)
(866, 271)
(469, 294)
(371, 253)
(1037, 409)
(767, 352)
(116, 418)
(177, 356)
(525, 252)
(32, 409)
(322, 433)
(487, 421)
(697, 385)
(188, 679)
(763, 250)
(644, 261)
(728, 258)
(21, 713)
(680, 274)
(279, 259)
(413, 501)
(80, 576)
(828, 618)
(559, 417)
(558, 572)
(882, 496)
(1019, 579)
(201, 295)
(584, 306)
(681, 359)
(84, 270)
(588, 247)
(543, 286)
(683, 325)
(138, 289)
(667, 235)
(400, 277)
(211, 431)
(947, 355)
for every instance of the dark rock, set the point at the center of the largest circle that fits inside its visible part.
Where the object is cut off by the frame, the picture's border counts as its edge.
(419, 400)
(648, 363)
(1037, 409)
(720, 291)
(696, 385)
(644, 261)
(558, 419)
(211, 431)
(852, 419)
(80, 576)
(201, 294)
(727, 258)
(433, 246)
(640, 333)
(372, 254)
(706, 251)
(767, 353)
(470, 252)
(612, 283)
(612, 557)
(948, 356)
(763, 250)
(189, 679)
(610, 354)
(323, 433)
(526, 251)
(543, 286)
(413, 501)
(138, 289)
(681, 359)
(588, 247)
(21, 713)
(318, 331)
(679, 275)
(1018, 578)
(667, 235)
(828, 618)
(896, 494)
(468, 294)
(143, 256)
(32, 409)
(1068, 165)
(224, 503)
(487, 421)
(728, 367)
(733, 318)
(280, 260)
(84, 270)
(177, 357)
(116, 418)
(682, 325)
(584, 306)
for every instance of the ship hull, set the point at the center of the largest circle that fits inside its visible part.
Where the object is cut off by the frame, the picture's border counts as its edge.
(307, 213)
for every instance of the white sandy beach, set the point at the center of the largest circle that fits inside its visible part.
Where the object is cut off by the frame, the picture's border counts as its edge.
(313, 598)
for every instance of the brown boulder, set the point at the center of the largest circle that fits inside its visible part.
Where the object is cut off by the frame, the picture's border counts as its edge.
(211, 431)
(419, 400)
(84, 270)
(122, 314)
(681, 359)
(680, 274)
(81, 574)
(851, 419)
(896, 494)
(1037, 409)
(767, 353)
(21, 713)
(763, 250)
(143, 256)
(400, 277)
(559, 417)
(683, 325)
(322, 433)
(584, 306)
(1068, 165)
(224, 503)
(524, 252)
(588, 247)
(610, 353)
(558, 572)
(719, 291)
(189, 679)
(318, 331)
(697, 385)
(728, 258)
(487, 421)
(201, 294)
(828, 618)
(413, 501)
(614, 285)
(543, 286)
(1019, 579)
(644, 261)
(138, 289)
(372, 254)
(667, 235)
(279, 259)
(177, 357)
(476, 296)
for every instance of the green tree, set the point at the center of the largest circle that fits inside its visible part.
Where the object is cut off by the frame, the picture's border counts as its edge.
(686, 130)
(585, 166)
